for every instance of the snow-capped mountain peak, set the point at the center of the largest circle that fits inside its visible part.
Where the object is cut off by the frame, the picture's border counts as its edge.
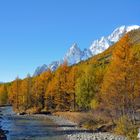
(103, 43)
(74, 47)
(75, 54)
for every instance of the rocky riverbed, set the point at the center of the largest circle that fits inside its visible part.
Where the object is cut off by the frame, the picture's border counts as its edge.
(32, 127)
(73, 132)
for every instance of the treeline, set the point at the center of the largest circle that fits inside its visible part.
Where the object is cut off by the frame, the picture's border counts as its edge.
(68, 88)
(110, 84)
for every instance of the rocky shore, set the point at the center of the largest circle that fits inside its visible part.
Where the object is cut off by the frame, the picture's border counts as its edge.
(70, 130)
(73, 132)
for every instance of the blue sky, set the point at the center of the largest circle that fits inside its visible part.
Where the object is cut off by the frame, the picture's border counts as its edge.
(34, 32)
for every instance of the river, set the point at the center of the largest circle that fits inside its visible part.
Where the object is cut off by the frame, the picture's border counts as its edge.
(28, 127)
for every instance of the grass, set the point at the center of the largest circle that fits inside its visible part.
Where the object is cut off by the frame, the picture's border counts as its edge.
(87, 120)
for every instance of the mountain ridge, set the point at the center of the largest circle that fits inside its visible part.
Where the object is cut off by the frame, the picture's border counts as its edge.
(75, 55)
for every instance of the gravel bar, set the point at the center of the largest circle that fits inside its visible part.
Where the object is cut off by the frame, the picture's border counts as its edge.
(73, 132)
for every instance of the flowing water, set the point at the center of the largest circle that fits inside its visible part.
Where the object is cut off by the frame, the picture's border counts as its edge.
(29, 127)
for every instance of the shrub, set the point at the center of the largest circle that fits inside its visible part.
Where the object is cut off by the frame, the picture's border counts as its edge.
(89, 124)
(126, 128)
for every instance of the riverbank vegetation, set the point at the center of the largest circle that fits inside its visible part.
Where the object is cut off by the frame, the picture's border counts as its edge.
(107, 84)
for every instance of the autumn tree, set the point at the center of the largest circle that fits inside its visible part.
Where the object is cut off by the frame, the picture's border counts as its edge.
(44, 80)
(120, 83)
(58, 88)
(62, 97)
(3, 95)
(133, 79)
(26, 93)
(87, 87)
(71, 85)
(51, 94)
(14, 93)
(39, 88)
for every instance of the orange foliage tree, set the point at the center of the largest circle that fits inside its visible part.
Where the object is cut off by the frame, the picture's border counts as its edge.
(118, 85)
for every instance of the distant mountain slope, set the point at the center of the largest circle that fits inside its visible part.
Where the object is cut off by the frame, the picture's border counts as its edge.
(53, 66)
(75, 54)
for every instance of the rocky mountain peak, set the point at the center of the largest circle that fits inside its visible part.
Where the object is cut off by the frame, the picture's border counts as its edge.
(75, 54)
